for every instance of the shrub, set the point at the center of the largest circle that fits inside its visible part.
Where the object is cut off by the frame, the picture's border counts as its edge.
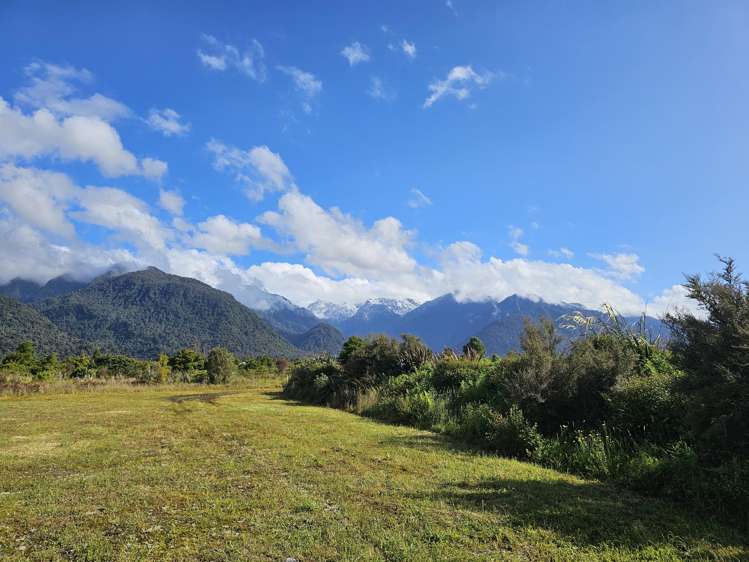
(474, 349)
(508, 434)
(374, 361)
(648, 407)
(412, 353)
(220, 366)
(595, 454)
(450, 374)
(314, 380)
(419, 408)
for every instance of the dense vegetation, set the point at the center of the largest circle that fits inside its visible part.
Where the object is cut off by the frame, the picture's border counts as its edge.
(614, 404)
(20, 322)
(24, 370)
(148, 312)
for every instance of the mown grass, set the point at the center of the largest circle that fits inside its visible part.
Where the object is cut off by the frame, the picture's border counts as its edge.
(237, 473)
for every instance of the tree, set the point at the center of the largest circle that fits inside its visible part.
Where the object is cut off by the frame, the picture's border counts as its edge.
(474, 348)
(350, 346)
(713, 350)
(413, 353)
(220, 365)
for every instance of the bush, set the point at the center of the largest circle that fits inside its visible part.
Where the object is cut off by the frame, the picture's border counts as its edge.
(594, 454)
(450, 374)
(419, 408)
(220, 366)
(648, 407)
(314, 380)
(508, 434)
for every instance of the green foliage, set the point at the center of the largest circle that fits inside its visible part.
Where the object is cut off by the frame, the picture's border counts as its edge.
(714, 353)
(144, 313)
(21, 323)
(317, 381)
(350, 347)
(413, 353)
(448, 374)
(220, 366)
(509, 434)
(474, 348)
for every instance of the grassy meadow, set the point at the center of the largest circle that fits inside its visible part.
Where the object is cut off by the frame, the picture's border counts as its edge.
(236, 473)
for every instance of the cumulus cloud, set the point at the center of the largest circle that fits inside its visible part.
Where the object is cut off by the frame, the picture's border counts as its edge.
(517, 246)
(259, 169)
(471, 278)
(418, 199)
(674, 299)
(220, 56)
(621, 266)
(222, 235)
(171, 201)
(87, 139)
(123, 213)
(409, 49)
(355, 53)
(458, 84)
(39, 197)
(167, 122)
(305, 83)
(339, 243)
(53, 87)
(29, 254)
(153, 168)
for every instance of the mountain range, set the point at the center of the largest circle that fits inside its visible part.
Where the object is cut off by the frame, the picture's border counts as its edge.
(146, 312)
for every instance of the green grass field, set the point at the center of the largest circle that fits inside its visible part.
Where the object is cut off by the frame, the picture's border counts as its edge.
(194, 474)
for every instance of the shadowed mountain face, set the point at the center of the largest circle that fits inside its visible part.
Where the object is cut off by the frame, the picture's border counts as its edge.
(29, 292)
(20, 322)
(323, 338)
(148, 312)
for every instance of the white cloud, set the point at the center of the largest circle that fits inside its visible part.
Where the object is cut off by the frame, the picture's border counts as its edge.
(260, 169)
(28, 254)
(458, 83)
(339, 243)
(304, 82)
(51, 87)
(562, 252)
(474, 279)
(39, 197)
(153, 169)
(355, 53)
(222, 235)
(621, 266)
(87, 139)
(418, 199)
(379, 91)
(674, 299)
(167, 122)
(517, 246)
(303, 286)
(409, 49)
(119, 211)
(451, 7)
(171, 201)
(222, 56)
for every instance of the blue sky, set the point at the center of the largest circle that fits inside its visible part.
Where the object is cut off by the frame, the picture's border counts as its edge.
(584, 152)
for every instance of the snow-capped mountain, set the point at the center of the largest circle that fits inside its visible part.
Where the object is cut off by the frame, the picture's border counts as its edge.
(380, 305)
(331, 311)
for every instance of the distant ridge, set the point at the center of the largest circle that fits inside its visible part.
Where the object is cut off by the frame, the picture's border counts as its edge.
(147, 312)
